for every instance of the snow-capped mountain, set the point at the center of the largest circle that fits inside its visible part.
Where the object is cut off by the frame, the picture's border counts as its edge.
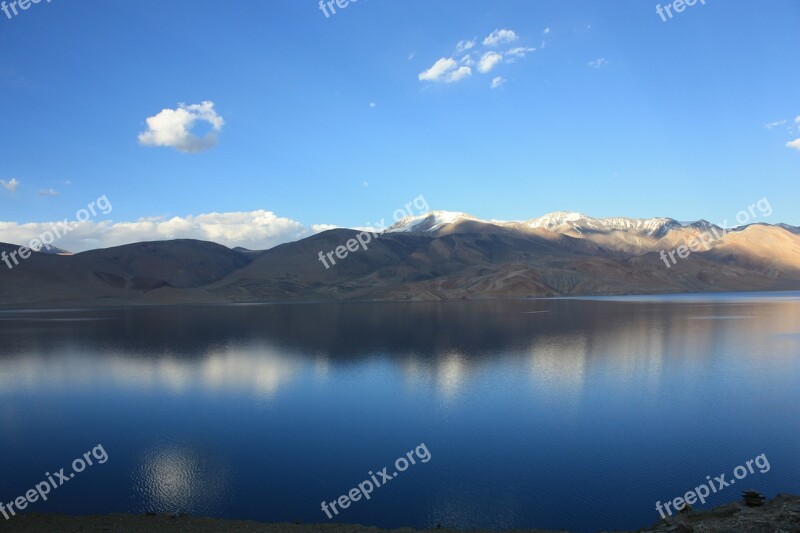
(436, 256)
(558, 222)
(431, 221)
(613, 234)
(563, 222)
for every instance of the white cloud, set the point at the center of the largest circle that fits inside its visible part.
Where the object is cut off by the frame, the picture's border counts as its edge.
(365, 184)
(489, 61)
(373, 105)
(49, 192)
(473, 53)
(795, 143)
(498, 37)
(319, 228)
(460, 74)
(775, 124)
(498, 82)
(446, 70)
(598, 63)
(545, 33)
(465, 45)
(518, 53)
(256, 230)
(438, 70)
(10, 185)
(173, 128)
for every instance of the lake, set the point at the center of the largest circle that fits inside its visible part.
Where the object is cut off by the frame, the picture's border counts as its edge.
(551, 413)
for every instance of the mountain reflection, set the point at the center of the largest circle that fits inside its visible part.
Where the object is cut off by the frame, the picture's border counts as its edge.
(260, 349)
(262, 411)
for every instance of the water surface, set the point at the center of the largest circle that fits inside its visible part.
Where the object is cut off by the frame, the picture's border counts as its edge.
(577, 413)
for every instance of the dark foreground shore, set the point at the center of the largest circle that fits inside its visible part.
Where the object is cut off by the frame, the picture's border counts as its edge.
(781, 514)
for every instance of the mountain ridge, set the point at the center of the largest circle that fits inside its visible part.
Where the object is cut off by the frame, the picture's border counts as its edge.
(435, 256)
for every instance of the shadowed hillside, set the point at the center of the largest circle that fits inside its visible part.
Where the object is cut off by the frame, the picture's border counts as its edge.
(429, 257)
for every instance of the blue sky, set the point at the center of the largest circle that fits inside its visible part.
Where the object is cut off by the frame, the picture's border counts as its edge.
(326, 120)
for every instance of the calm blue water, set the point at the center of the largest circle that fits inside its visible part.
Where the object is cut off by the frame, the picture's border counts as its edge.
(575, 414)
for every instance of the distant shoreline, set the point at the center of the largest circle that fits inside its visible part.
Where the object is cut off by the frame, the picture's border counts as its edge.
(138, 304)
(780, 513)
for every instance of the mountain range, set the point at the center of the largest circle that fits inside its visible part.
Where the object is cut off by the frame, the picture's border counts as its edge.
(435, 256)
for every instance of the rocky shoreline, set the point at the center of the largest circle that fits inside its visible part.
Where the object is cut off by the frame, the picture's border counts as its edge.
(781, 514)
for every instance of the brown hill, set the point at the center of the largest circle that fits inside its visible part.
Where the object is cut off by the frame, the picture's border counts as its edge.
(435, 257)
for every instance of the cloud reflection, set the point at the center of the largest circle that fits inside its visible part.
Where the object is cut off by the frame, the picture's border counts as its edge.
(255, 369)
(451, 373)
